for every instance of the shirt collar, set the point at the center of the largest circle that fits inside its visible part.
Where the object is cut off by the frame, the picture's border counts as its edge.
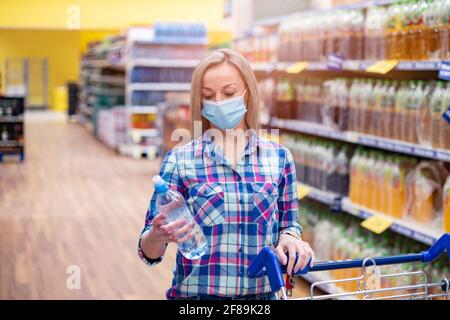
(208, 147)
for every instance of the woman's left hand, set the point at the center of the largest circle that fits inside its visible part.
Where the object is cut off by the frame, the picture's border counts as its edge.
(289, 246)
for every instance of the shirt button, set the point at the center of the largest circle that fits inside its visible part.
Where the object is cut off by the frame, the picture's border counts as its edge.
(241, 201)
(240, 249)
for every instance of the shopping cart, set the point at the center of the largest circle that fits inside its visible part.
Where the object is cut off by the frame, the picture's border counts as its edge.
(267, 262)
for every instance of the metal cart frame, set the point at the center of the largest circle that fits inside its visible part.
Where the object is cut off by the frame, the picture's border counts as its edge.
(267, 263)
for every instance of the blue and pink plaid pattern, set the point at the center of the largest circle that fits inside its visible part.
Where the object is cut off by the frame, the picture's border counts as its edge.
(240, 210)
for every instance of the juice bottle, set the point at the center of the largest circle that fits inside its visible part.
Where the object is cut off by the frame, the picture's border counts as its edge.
(354, 176)
(375, 106)
(434, 29)
(400, 101)
(398, 189)
(388, 186)
(444, 34)
(436, 113)
(423, 210)
(423, 119)
(444, 125)
(421, 34)
(446, 205)
(409, 113)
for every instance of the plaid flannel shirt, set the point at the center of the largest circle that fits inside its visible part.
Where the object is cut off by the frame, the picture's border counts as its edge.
(240, 211)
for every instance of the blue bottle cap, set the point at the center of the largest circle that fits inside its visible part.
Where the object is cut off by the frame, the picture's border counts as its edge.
(160, 185)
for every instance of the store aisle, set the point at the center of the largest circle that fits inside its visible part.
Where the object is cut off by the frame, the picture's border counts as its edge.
(74, 202)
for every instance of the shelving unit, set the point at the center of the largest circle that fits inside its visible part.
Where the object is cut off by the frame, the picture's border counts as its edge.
(153, 51)
(265, 67)
(12, 128)
(348, 65)
(141, 67)
(362, 139)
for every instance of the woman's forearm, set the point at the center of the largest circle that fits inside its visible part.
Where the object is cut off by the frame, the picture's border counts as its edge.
(152, 248)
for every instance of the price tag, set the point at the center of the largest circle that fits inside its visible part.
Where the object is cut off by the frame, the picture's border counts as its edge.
(297, 67)
(377, 224)
(382, 67)
(444, 71)
(303, 191)
(446, 115)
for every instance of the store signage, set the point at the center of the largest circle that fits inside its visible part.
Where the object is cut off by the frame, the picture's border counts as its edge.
(382, 66)
(335, 62)
(444, 71)
(446, 115)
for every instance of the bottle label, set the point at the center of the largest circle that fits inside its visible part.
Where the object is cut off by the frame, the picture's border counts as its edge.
(444, 71)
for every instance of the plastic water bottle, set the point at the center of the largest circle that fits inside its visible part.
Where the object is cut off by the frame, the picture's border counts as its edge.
(173, 203)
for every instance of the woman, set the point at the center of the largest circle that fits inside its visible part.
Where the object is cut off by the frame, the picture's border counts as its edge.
(240, 188)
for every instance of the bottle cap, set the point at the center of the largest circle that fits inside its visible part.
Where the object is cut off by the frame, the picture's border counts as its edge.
(160, 185)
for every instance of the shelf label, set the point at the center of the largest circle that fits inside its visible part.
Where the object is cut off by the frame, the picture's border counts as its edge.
(382, 66)
(446, 115)
(444, 71)
(335, 62)
(297, 67)
(377, 224)
(303, 191)
(424, 152)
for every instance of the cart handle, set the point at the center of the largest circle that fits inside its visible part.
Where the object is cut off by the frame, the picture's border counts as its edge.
(267, 259)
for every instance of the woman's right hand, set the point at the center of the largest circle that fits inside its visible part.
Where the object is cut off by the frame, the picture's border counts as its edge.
(177, 231)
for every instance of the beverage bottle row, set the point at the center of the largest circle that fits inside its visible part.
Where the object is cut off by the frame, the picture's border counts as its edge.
(156, 74)
(322, 165)
(378, 181)
(313, 37)
(410, 30)
(147, 98)
(259, 46)
(161, 51)
(409, 111)
(399, 186)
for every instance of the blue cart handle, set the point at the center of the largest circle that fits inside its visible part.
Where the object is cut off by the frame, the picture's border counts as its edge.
(267, 260)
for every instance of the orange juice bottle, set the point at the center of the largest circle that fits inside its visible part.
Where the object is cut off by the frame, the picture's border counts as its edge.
(423, 210)
(398, 189)
(446, 196)
(387, 189)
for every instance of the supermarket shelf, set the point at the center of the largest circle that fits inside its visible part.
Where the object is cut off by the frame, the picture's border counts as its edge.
(177, 41)
(409, 229)
(348, 65)
(160, 86)
(105, 91)
(11, 144)
(111, 80)
(164, 63)
(142, 109)
(103, 64)
(362, 139)
(329, 288)
(4, 119)
(328, 198)
(144, 132)
(137, 151)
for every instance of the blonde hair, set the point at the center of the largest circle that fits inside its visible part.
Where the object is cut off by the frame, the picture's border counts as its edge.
(242, 65)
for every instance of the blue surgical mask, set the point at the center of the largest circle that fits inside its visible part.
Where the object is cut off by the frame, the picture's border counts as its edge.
(225, 114)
